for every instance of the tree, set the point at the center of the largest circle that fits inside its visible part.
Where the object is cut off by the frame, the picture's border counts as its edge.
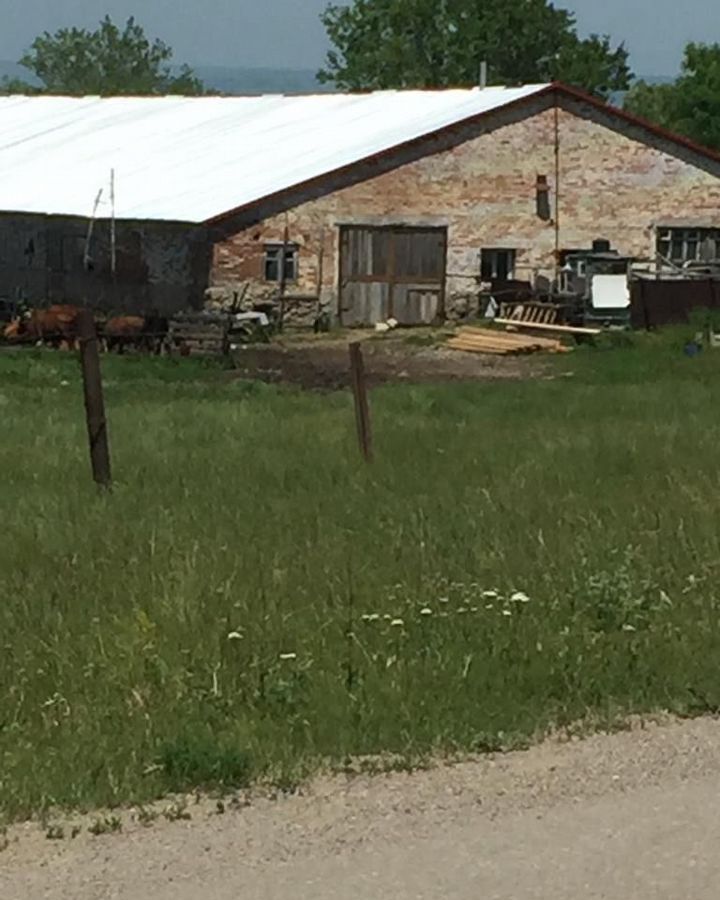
(436, 43)
(107, 61)
(690, 105)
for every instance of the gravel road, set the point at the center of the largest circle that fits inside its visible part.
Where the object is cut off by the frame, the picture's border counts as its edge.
(631, 815)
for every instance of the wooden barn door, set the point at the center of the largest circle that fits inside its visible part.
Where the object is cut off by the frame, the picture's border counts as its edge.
(391, 272)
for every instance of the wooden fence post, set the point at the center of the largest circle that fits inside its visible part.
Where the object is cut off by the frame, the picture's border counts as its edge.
(362, 409)
(94, 402)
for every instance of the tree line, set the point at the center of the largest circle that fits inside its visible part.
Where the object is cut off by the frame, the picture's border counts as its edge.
(384, 44)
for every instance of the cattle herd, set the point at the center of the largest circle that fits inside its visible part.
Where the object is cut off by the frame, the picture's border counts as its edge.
(57, 327)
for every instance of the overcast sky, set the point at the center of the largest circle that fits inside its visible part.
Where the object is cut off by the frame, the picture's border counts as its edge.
(288, 33)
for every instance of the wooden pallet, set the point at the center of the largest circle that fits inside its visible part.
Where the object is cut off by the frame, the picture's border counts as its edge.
(545, 313)
(499, 343)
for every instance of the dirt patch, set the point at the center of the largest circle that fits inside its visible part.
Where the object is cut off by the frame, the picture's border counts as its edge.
(323, 365)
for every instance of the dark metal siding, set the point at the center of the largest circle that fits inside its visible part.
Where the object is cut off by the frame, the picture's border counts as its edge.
(656, 303)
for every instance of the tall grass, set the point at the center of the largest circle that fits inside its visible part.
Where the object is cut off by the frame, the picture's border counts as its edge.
(252, 599)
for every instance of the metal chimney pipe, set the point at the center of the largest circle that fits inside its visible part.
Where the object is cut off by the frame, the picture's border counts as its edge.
(483, 74)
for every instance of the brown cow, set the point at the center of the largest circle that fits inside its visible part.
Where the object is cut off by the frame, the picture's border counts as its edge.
(56, 326)
(141, 332)
(123, 331)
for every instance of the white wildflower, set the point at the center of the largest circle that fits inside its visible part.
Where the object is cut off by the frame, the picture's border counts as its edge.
(397, 623)
(519, 597)
(462, 609)
(426, 611)
(443, 599)
(64, 383)
(628, 628)
(507, 612)
(387, 617)
(490, 595)
(371, 617)
(473, 609)
(234, 636)
(288, 656)
(488, 606)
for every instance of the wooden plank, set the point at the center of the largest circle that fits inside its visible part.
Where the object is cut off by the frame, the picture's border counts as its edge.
(504, 349)
(465, 344)
(564, 329)
(502, 336)
(499, 337)
(495, 351)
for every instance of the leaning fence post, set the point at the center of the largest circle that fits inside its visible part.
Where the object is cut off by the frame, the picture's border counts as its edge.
(94, 402)
(362, 409)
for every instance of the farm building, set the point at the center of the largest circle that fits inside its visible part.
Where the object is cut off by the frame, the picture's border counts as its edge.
(396, 204)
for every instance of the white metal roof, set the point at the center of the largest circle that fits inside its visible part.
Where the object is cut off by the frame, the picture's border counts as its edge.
(191, 159)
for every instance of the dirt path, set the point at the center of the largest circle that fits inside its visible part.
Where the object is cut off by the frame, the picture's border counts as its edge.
(633, 815)
(324, 364)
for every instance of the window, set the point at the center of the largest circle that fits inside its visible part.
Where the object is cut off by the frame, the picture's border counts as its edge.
(273, 262)
(542, 198)
(681, 245)
(497, 265)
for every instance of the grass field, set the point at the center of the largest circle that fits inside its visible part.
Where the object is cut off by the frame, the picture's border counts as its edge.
(252, 600)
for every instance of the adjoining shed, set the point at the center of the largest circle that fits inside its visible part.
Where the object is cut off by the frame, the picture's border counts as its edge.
(403, 204)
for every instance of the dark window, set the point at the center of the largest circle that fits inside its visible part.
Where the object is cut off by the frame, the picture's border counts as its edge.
(497, 264)
(273, 258)
(681, 245)
(542, 198)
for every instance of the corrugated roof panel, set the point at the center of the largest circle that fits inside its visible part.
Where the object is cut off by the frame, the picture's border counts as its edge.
(191, 159)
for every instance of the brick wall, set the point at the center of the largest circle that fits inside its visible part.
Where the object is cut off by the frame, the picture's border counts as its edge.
(616, 180)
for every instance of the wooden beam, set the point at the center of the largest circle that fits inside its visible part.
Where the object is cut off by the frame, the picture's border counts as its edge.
(563, 329)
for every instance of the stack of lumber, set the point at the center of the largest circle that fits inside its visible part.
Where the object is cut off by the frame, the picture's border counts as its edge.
(487, 340)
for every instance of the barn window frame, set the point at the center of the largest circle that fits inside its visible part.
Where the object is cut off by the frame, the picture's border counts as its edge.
(497, 260)
(272, 265)
(685, 244)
